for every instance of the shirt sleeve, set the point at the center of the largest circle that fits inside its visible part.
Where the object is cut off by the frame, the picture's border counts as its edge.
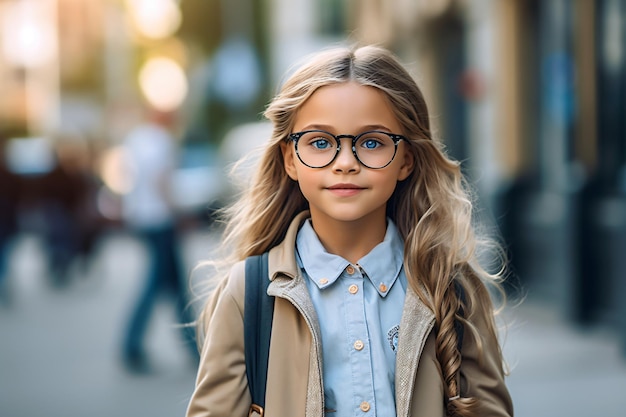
(221, 385)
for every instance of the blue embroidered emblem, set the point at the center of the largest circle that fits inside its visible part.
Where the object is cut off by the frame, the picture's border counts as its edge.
(392, 337)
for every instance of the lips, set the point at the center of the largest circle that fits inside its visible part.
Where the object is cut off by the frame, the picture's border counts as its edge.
(345, 187)
(345, 190)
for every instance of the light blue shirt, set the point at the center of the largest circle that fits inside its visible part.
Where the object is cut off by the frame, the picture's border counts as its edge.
(359, 309)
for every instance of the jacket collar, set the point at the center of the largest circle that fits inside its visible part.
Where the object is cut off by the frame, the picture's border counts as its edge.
(282, 257)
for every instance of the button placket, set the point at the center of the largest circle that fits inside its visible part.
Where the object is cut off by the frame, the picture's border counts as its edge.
(360, 355)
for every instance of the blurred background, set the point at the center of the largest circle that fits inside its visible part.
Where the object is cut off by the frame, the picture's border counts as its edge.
(120, 118)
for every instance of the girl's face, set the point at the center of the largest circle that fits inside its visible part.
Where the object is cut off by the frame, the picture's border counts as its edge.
(345, 190)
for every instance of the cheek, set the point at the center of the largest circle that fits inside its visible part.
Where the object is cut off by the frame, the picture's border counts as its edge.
(306, 180)
(386, 182)
(391, 185)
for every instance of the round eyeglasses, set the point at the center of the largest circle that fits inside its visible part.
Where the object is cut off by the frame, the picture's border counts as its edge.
(373, 149)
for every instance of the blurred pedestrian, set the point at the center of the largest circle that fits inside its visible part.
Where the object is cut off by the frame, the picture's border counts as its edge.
(380, 303)
(60, 194)
(9, 200)
(149, 213)
(75, 156)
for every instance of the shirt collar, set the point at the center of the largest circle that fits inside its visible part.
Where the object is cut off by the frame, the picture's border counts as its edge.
(382, 265)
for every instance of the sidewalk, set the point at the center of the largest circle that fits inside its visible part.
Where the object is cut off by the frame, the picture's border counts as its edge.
(560, 370)
(59, 348)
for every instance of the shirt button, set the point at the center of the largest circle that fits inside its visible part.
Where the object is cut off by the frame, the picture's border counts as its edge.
(358, 345)
(353, 289)
(382, 287)
(365, 406)
(323, 281)
(350, 269)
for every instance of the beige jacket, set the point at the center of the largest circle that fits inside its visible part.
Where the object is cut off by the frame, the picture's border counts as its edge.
(294, 381)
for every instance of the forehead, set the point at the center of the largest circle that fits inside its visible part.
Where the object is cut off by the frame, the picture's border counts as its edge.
(346, 108)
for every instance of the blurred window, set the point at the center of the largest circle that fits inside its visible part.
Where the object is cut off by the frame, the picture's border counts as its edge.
(331, 17)
(30, 156)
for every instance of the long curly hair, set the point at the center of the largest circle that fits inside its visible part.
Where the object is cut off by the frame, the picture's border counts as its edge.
(432, 208)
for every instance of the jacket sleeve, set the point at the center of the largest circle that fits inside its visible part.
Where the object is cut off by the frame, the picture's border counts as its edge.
(221, 385)
(482, 375)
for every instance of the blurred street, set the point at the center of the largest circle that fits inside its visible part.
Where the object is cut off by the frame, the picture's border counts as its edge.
(59, 349)
(121, 117)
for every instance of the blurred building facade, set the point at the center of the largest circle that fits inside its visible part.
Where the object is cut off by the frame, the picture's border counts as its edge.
(529, 94)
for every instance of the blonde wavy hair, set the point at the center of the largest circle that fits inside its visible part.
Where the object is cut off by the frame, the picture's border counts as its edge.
(432, 208)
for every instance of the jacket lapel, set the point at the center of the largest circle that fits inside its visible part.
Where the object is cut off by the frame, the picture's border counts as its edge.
(415, 326)
(288, 283)
(295, 291)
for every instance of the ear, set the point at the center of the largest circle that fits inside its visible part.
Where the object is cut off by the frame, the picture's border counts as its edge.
(289, 160)
(408, 163)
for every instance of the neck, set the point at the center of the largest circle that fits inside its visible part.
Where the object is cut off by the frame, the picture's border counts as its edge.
(351, 240)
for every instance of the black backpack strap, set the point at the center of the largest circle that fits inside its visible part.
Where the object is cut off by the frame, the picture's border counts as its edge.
(258, 314)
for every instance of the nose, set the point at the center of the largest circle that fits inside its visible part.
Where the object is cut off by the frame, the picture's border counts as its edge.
(346, 160)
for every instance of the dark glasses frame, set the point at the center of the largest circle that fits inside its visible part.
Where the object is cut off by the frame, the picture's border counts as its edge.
(396, 138)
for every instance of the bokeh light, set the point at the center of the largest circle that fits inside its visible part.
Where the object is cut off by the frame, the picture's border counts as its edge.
(163, 83)
(115, 172)
(154, 19)
(28, 37)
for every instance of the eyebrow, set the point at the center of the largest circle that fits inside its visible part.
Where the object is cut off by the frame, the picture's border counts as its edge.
(330, 128)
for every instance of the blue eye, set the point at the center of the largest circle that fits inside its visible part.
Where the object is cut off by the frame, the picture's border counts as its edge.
(321, 144)
(371, 144)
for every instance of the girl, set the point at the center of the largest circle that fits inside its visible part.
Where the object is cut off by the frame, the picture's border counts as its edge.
(372, 260)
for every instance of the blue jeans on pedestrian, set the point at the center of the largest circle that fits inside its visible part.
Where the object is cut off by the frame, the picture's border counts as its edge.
(164, 275)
